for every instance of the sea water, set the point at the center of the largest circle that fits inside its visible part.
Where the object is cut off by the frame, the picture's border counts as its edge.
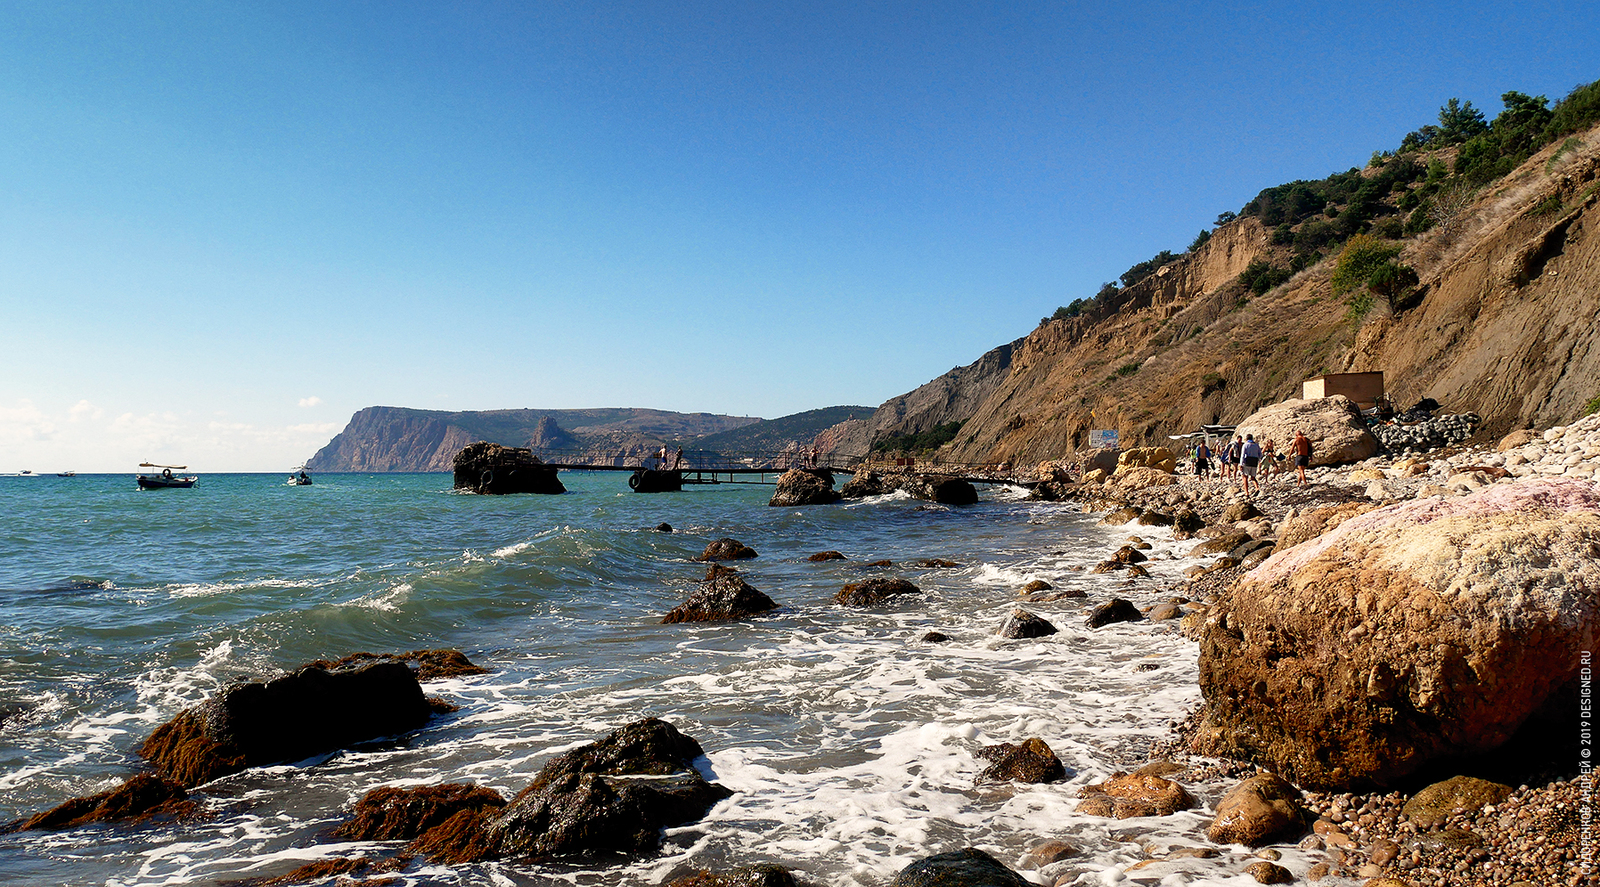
(849, 742)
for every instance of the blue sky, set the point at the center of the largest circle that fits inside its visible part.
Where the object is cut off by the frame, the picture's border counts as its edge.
(224, 227)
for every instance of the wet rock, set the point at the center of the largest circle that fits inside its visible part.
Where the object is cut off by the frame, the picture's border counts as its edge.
(1186, 522)
(1220, 544)
(875, 591)
(934, 562)
(663, 528)
(1164, 611)
(1263, 809)
(1135, 571)
(1245, 549)
(430, 665)
(1434, 805)
(492, 469)
(944, 490)
(292, 717)
(1036, 585)
(1022, 624)
(1457, 621)
(1151, 518)
(882, 563)
(936, 637)
(958, 868)
(805, 486)
(577, 803)
(449, 823)
(823, 556)
(1127, 554)
(1032, 761)
(322, 870)
(141, 797)
(1048, 853)
(1269, 873)
(727, 550)
(1130, 795)
(1114, 610)
(761, 875)
(1122, 515)
(723, 597)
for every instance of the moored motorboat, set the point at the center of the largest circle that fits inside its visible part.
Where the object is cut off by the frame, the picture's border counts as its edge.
(66, 474)
(165, 479)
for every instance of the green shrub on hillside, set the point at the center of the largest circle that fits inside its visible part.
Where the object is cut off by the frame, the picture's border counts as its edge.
(1366, 269)
(1579, 110)
(933, 438)
(1592, 407)
(1199, 240)
(1259, 276)
(1146, 268)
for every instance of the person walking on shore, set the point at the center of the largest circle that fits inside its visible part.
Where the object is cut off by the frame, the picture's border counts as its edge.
(1302, 455)
(1202, 460)
(1268, 452)
(1249, 463)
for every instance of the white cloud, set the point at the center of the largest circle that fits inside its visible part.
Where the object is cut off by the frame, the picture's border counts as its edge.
(84, 410)
(25, 422)
(310, 401)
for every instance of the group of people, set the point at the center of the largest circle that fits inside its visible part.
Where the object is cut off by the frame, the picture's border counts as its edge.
(1250, 462)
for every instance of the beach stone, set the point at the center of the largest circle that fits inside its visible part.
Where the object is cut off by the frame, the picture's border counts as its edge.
(1127, 554)
(874, 591)
(1518, 438)
(1245, 549)
(1130, 795)
(141, 797)
(805, 486)
(1135, 571)
(1364, 475)
(1458, 621)
(1221, 543)
(1022, 624)
(727, 550)
(1164, 611)
(1036, 585)
(723, 596)
(1240, 511)
(289, 718)
(1263, 809)
(936, 637)
(571, 807)
(823, 556)
(1434, 805)
(1152, 518)
(1048, 853)
(958, 868)
(1114, 610)
(1033, 761)
(935, 563)
(1158, 458)
(491, 469)
(1122, 515)
(1334, 425)
(1269, 873)
(1186, 521)
(1135, 479)
(1100, 459)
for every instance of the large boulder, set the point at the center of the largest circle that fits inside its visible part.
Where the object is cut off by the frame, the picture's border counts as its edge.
(490, 468)
(726, 549)
(292, 717)
(805, 486)
(1413, 635)
(1334, 424)
(723, 597)
(1263, 809)
(1032, 761)
(1100, 459)
(874, 591)
(941, 489)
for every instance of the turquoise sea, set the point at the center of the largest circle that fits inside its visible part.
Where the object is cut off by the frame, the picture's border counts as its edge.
(849, 742)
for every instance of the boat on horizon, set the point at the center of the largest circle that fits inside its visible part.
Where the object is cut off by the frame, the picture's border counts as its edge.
(298, 477)
(166, 479)
(66, 474)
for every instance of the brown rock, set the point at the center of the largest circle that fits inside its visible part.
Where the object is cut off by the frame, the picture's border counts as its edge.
(1240, 511)
(722, 597)
(805, 486)
(1114, 610)
(1021, 625)
(1032, 762)
(1164, 611)
(430, 665)
(1140, 794)
(761, 875)
(1048, 853)
(446, 822)
(1220, 544)
(875, 591)
(1036, 585)
(1434, 805)
(1334, 425)
(822, 556)
(727, 550)
(1269, 873)
(492, 469)
(1263, 809)
(141, 797)
(1427, 631)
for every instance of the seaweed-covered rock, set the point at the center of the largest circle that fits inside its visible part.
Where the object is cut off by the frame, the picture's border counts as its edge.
(492, 469)
(447, 822)
(294, 716)
(430, 665)
(761, 875)
(141, 797)
(723, 596)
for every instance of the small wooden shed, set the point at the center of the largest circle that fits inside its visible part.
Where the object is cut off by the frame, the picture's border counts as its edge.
(1363, 388)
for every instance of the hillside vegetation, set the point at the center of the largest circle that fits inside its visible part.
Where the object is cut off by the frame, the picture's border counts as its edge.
(1461, 263)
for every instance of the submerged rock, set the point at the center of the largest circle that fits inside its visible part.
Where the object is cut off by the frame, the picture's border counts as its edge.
(723, 596)
(761, 875)
(1114, 610)
(1129, 795)
(289, 718)
(1022, 624)
(823, 556)
(492, 469)
(430, 665)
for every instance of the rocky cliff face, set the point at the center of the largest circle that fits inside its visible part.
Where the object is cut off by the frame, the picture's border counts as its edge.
(1505, 328)
(401, 439)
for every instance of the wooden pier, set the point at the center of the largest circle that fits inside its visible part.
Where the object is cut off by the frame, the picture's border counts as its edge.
(700, 467)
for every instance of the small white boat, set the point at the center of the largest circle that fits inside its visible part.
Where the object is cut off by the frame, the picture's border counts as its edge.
(299, 477)
(165, 479)
(66, 474)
